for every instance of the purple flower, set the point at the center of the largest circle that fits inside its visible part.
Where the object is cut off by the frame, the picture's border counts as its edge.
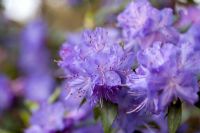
(62, 116)
(34, 56)
(6, 95)
(35, 129)
(35, 33)
(163, 76)
(38, 87)
(35, 62)
(84, 64)
(157, 123)
(156, 55)
(75, 118)
(189, 47)
(145, 99)
(147, 123)
(78, 114)
(72, 105)
(49, 117)
(140, 19)
(164, 35)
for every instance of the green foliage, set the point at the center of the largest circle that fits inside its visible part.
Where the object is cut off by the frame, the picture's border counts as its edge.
(55, 95)
(174, 116)
(107, 115)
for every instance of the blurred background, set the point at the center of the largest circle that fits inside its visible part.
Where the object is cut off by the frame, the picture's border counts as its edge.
(31, 33)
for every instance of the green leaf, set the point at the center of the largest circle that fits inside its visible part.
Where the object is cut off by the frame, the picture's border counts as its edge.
(97, 113)
(107, 115)
(174, 116)
(55, 95)
(24, 116)
(31, 105)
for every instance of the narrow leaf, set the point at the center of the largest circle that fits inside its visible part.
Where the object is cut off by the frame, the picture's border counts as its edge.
(108, 115)
(174, 116)
(97, 113)
(54, 96)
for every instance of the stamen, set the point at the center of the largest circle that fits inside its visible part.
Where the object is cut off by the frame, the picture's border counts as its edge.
(138, 108)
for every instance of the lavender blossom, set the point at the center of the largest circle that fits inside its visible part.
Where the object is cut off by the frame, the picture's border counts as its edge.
(189, 47)
(49, 117)
(85, 66)
(38, 87)
(70, 102)
(164, 76)
(77, 114)
(140, 19)
(33, 51)
(63, 117)
(35, 61)
(128, 123)
(72, 105)
(83, 114)
(35, 129)
(157, 120)
(146, 100)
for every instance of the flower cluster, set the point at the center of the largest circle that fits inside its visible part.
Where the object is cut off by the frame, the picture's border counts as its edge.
(163, 75)
(151, 59)
(140, 19)
(163, 66)
(95, 66)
